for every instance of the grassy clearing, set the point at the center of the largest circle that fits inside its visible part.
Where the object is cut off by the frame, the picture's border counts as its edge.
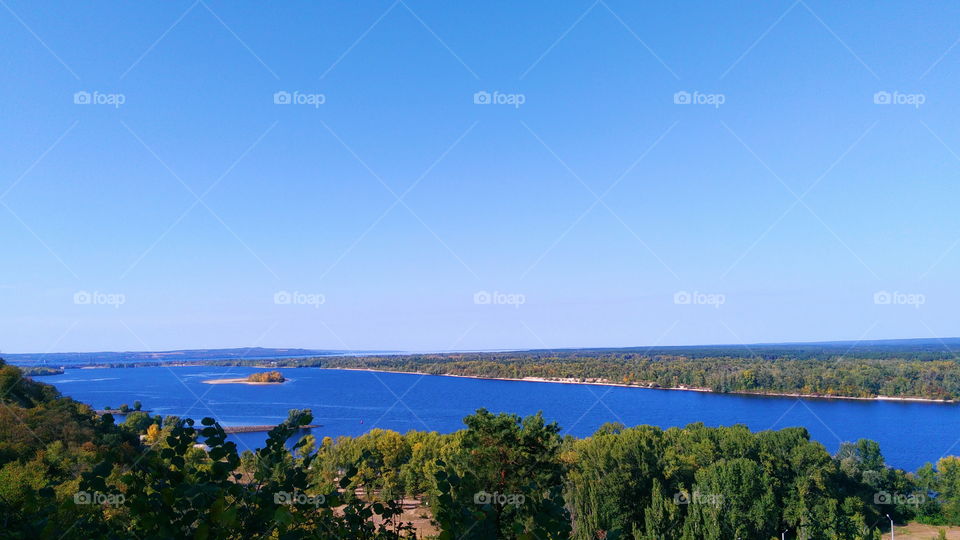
(917, 531)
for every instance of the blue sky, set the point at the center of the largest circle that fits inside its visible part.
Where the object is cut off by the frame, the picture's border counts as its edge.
(400, 214)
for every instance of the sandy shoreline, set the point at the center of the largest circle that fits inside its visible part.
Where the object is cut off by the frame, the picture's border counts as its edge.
(602, 382)
(236, 381)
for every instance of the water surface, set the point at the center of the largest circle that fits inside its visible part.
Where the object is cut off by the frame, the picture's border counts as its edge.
(352, 402)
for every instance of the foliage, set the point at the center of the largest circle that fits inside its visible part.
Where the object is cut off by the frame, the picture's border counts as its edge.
(821, 375)
(505, 482)
(39, 371)
(266, 377)
(65, 472)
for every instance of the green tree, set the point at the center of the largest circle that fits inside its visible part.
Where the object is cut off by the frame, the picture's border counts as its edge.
(138, 421)
(948, 488)
(505, 481)
(609, 480)
(730, 499)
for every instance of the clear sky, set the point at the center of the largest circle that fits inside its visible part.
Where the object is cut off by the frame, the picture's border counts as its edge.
(580, 202)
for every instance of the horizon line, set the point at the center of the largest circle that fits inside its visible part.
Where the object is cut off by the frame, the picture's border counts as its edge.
(852, 342)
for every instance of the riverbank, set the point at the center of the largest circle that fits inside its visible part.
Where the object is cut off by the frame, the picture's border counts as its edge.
(260, 429)
(604, 382)
(102, 412)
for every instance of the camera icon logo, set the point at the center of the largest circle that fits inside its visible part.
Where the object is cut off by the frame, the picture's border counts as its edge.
(882, 497)
(882, 298)
(282, 497)
(482, 297)
(681, 498)
(482, 497)
(882, 98)
(82, 497)
(682, 98)
(282, 298)
(482, 98)
(82, 298)
(682, 297)
(282, 97)
(81, 98)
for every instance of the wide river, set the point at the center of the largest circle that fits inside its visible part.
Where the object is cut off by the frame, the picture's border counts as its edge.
(353, 402)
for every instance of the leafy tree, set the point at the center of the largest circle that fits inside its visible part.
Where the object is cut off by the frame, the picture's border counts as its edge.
(612, 479)
(731, 499)
(948, 487)
(137, 421)
(505, 482)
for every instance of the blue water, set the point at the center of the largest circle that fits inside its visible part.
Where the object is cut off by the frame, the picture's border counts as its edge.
(353, 402)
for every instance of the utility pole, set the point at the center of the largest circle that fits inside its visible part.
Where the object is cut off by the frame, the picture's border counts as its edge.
(891, 526)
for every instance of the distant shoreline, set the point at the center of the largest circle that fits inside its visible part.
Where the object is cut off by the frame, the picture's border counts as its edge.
(603, 382)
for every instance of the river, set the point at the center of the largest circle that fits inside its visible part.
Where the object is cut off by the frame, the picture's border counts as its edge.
(348, 402)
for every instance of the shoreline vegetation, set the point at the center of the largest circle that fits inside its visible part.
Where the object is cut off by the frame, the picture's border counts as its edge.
(42, 371)
(267, 377)
(869, 373)
(262, 428)
(906, 371)
(602, 382)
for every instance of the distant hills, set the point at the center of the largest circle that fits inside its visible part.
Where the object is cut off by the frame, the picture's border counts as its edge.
(187, 355)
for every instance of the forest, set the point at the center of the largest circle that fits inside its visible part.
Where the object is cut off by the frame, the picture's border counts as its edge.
(928, 375)
(66, 472)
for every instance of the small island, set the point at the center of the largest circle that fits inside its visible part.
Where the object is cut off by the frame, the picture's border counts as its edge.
(266, 377)
(123, 409)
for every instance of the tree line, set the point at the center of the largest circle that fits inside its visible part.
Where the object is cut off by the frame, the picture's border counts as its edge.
(839, 376)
